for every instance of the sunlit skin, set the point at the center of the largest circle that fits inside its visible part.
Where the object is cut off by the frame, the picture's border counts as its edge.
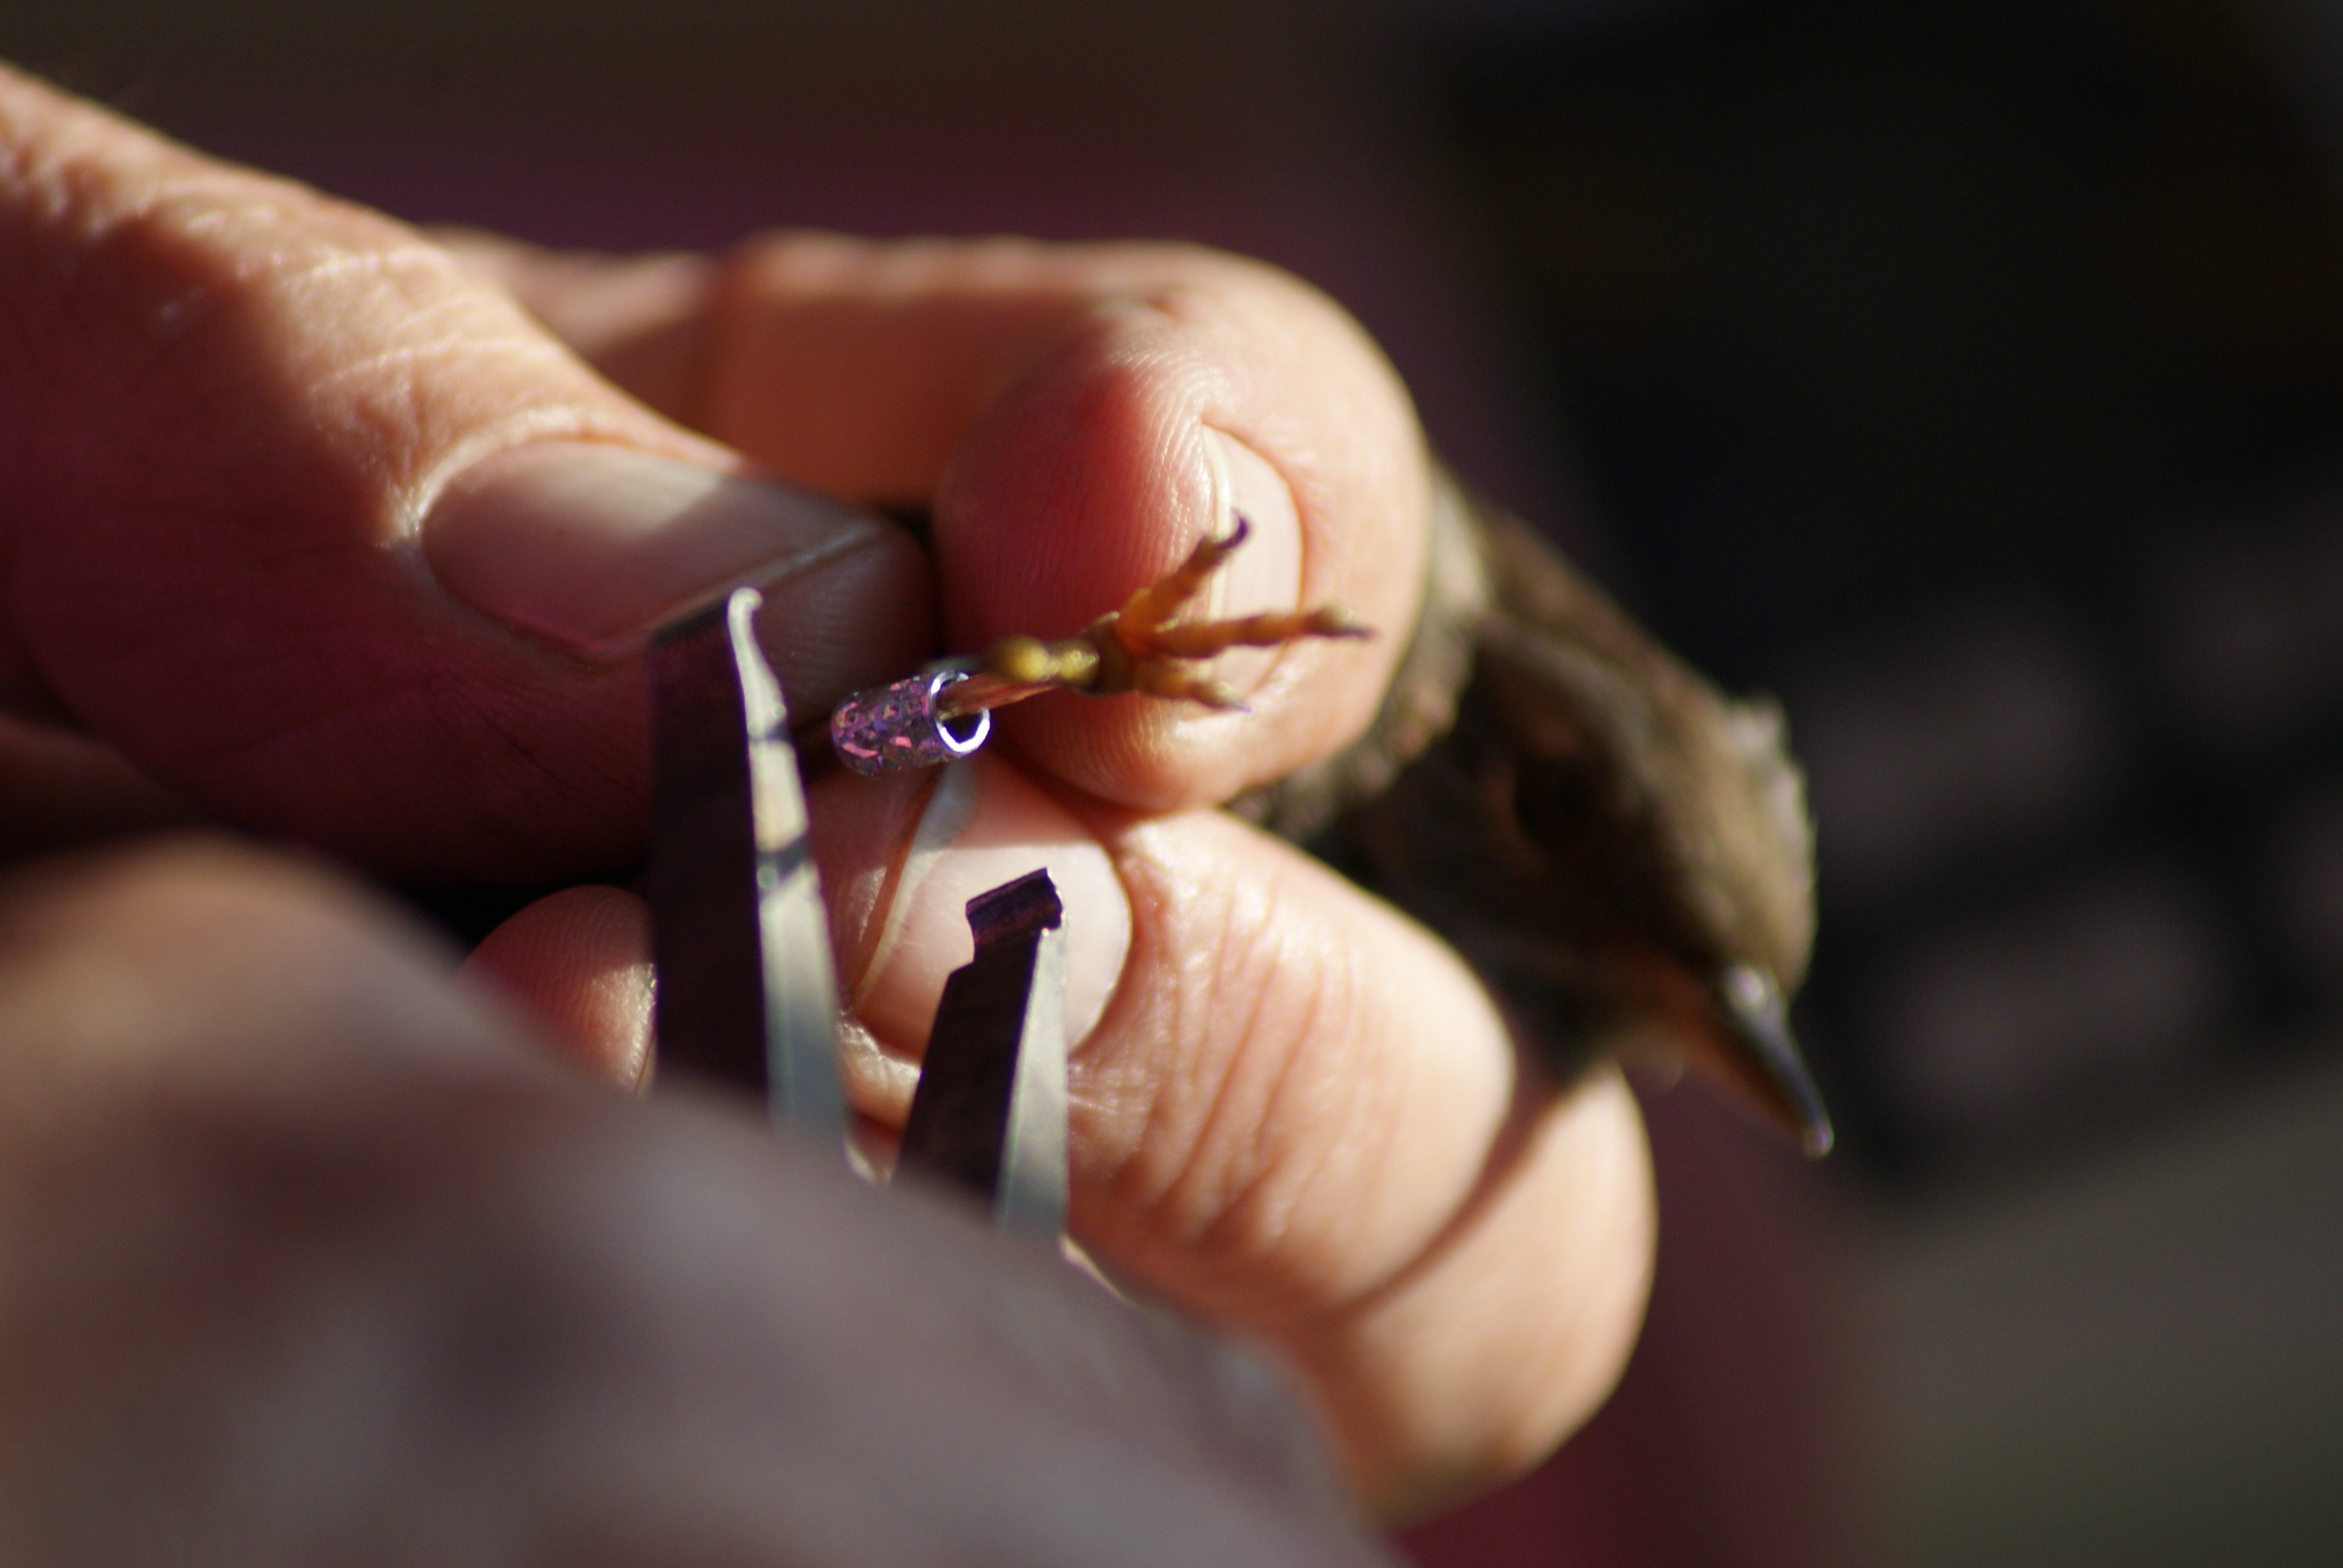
(315, 522)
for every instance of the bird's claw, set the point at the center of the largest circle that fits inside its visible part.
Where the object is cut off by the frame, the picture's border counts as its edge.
(1142, 646)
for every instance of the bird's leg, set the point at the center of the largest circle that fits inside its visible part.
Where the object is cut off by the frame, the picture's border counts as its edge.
(1138, 648)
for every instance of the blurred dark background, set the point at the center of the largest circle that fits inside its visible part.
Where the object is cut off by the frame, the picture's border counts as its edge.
(1969, 375)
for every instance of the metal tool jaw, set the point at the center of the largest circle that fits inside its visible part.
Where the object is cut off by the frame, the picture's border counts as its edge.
(989, 1114)
(747, 990)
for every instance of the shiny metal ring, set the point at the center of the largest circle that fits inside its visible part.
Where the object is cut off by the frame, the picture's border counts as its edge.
(890, 729)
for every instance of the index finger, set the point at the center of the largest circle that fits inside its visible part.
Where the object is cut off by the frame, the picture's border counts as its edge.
(1078, 417)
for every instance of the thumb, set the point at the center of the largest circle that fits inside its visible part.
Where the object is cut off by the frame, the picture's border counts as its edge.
(322, 532)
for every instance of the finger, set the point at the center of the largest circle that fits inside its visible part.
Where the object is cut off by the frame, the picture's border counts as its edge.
(1080, 416)
(319, 531)
(578, 964)
(1293, 1111)
(852, 366)
(1558, 1235)
(310, 1261)
(1302, 1111)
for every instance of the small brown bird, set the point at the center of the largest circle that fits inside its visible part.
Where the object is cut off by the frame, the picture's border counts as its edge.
(1619, 850)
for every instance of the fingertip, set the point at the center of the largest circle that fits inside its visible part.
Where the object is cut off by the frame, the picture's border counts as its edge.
(1159, 424)
(1520, 1320)
(578, 964)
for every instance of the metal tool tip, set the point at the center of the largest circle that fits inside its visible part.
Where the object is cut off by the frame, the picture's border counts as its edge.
(1015, 908)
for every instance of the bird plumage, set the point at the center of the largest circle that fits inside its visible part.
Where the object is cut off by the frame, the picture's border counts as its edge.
(1620, 850)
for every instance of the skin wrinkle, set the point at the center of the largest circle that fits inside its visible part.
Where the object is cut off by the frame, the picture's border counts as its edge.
(1301, 1090)
(541, 778)
(1298, 1079)
(1129, 1179)
(585, 781)
(1251, 1225)
(264, 290)
(1122, 1176)
(1350, 1086)
(152, 225)
(448, 351)
(386, 263)
(1188, 1195)
(1369, 1096)
(1251, 1222)
(1189, 1203)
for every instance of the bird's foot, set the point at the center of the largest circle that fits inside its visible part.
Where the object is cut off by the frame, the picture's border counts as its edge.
(1142, 646)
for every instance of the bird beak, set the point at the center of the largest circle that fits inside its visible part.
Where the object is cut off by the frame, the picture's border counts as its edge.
(1734, 1029)
(1762, 1061)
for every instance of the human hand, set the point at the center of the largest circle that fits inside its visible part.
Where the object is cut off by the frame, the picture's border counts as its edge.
(318, 528)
